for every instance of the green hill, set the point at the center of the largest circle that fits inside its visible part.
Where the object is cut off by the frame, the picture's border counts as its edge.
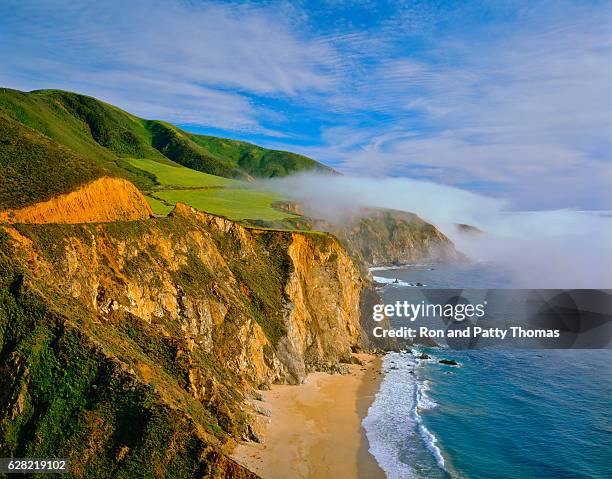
(35, 168)
(106, 134)
(255, 160)
(54, 141)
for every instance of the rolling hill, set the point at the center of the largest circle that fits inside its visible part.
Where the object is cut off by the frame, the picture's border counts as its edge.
(106, 134)
(54, 141)
(34, 168)
(233, 199)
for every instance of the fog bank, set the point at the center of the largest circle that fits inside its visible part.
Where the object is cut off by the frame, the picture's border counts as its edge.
(543, 249)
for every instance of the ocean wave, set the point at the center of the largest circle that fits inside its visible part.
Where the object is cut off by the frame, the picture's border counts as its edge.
(430, 442)
(388, 268)
(389, 421)
(396, 434)
(423, 401)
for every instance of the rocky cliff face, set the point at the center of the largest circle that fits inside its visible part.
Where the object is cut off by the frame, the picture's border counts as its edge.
(104, 199)
(137, 344)
(388, 237)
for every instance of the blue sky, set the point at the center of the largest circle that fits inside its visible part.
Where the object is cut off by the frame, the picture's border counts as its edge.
(507, 99)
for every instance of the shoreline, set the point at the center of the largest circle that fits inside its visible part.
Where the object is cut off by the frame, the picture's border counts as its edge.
(367, 466)
(314, 429)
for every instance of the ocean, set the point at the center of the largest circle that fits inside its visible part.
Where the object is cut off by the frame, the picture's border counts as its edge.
(502, 413)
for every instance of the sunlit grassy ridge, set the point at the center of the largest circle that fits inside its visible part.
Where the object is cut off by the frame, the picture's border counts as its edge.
(169, 175)
(236, 200)
(235, 204)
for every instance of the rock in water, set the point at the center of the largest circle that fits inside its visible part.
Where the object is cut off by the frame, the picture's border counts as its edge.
(449, 362)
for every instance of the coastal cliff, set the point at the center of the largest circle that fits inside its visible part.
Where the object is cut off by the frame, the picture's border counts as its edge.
(147, 339)
(138, 345)
(380, 237)
(390, 237)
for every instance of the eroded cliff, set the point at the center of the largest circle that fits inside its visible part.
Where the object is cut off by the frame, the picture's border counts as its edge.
(138, 344)
(104, 199)
(388, 237)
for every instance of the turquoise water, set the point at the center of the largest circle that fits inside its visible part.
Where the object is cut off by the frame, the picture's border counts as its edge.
(501, 414)
(523, 414)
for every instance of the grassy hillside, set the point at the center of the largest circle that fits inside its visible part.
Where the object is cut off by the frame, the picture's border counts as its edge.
(255, 160)
(54, 141)
(36, 168)
(93, 130)
(233, 199)
(177, 176)
(104, 133)
(235, 204)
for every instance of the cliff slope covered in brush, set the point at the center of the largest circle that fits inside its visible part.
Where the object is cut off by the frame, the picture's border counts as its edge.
(377, 236)
(135, 346)
(390, 237)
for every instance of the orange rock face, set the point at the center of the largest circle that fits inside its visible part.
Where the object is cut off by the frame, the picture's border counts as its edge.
(103, 200)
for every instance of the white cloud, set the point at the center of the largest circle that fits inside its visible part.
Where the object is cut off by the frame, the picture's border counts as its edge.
(182, 62)
(526, 113)
(543, 249)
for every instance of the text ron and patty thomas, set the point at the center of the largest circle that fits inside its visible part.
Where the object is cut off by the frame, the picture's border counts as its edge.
(456, 313)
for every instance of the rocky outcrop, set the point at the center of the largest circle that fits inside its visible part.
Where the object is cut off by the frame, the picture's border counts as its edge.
(388, 237)
(448, 362)
(470, 230)
(102, 200)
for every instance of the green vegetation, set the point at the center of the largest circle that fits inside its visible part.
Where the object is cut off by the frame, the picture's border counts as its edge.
(104, 133)
(54, 141)
(75, 385)
(159, 207)
(213, 194)
(180, 147)
(235, 204)
(177, 176)
(258, 161)
(35, 168)
(75, 402)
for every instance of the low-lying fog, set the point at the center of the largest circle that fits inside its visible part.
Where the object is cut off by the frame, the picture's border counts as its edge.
(543, 249)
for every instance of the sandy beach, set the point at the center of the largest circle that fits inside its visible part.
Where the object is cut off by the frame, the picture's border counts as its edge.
(314, 429)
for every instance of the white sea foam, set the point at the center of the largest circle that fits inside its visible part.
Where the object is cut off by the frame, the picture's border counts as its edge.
(430, 443)
(393, 426)
(390, 422)
(423, 399)
(424, 402)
